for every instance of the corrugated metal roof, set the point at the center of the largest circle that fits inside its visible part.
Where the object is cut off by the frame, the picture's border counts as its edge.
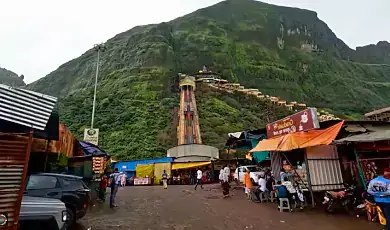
(131, 165)
(14, 155)
(25, 107)
(382, 135)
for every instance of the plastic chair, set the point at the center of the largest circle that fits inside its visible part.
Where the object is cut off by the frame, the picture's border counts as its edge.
(263, 196)
(272, 196)
(282, 206)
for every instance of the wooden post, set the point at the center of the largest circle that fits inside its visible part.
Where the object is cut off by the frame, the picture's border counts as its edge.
(309, 179)
(46, 159)
(360, 169)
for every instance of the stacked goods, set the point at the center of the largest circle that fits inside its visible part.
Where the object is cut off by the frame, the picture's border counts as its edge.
(98, 164)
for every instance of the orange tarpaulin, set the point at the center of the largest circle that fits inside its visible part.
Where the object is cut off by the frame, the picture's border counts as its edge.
(300, 140)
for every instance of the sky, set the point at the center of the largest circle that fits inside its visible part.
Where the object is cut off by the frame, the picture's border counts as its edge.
(36, 37)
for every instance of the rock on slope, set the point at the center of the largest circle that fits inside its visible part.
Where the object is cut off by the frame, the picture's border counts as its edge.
(10, 78)
(282, 51)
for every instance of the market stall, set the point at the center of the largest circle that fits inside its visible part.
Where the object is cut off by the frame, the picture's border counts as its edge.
(294, 142)
(144, 174)
(130, 169)
(159, 170)
(184, 172)
(369, 154)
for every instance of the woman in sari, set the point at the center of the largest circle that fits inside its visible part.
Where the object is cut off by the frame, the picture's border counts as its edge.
(225, 184)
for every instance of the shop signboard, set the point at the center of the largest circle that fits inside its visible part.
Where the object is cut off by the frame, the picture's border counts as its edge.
(91, 136)
(302, 121)
(141, 181)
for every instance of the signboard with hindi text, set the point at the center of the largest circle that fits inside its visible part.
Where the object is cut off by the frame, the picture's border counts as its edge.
(302, 121)
(91, 136)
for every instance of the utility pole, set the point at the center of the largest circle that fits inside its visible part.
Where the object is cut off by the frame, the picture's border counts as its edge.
(99, 48)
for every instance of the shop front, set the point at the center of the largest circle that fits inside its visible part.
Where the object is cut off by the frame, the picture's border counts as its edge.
(144, 172)
(185, 172)
(367, 155)
(301, 152)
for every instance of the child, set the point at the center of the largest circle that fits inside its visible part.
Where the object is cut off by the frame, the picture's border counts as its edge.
(103, 188)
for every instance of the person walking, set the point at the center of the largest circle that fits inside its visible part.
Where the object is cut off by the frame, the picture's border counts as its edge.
(164, 179)
(115, 181)
(225, 183)
(123, 180)
(380, 189)
(226, 170)
(199, 175)
(221, 172)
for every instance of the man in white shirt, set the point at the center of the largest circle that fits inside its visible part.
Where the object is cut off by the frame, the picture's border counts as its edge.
(221, 172)
(199, 176)
(227, 171)
(262, 184)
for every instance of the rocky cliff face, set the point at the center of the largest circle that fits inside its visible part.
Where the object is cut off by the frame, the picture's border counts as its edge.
(285, 52)
(374, 54)
(10, 78)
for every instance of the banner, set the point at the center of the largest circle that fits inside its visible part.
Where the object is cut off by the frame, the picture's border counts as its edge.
(301, 121)
(91, 136)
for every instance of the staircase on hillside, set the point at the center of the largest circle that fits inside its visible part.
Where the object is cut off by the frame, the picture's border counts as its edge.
(188, 131)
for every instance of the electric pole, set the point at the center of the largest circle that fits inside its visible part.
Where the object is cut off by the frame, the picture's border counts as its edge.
(99, 48)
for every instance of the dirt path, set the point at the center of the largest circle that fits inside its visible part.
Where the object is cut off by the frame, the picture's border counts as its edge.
(183, 208)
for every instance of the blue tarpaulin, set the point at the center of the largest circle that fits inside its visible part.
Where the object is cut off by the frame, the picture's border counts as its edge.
(90, 149)
(124, 166)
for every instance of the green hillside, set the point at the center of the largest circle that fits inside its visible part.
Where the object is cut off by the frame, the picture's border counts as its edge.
(285, 52)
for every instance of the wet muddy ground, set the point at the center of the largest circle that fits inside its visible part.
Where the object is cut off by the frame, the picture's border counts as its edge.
(183, 208)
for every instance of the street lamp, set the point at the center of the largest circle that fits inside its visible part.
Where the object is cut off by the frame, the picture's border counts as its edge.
(99, 48)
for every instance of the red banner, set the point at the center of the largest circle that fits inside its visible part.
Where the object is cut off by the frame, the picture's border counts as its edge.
(301, 121)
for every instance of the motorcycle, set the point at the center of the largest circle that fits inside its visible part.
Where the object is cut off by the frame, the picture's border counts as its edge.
(371, 209)
(345, 199)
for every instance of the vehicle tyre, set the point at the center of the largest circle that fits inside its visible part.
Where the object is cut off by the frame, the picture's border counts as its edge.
(253, 181)
(71, 220)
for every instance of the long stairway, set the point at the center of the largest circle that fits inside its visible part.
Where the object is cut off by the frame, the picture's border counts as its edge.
(188, 131)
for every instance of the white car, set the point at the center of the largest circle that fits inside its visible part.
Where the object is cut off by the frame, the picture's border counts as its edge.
(38, 213)
(255, 172)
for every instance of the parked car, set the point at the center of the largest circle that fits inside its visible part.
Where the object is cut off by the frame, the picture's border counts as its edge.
(68, 188)
(255, 172)
(38, 213)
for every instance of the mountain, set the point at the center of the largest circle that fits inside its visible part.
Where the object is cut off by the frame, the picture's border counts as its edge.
(374, 54)
(285, 52)
(10, 78)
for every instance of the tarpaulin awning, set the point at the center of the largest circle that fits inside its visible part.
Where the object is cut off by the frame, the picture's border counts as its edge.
(159, 170)
(92, 150)
(267, 145)
(144, 170)
(300, 140)
(189, 165)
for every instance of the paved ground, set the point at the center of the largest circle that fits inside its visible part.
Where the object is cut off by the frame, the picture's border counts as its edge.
(182, 208)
